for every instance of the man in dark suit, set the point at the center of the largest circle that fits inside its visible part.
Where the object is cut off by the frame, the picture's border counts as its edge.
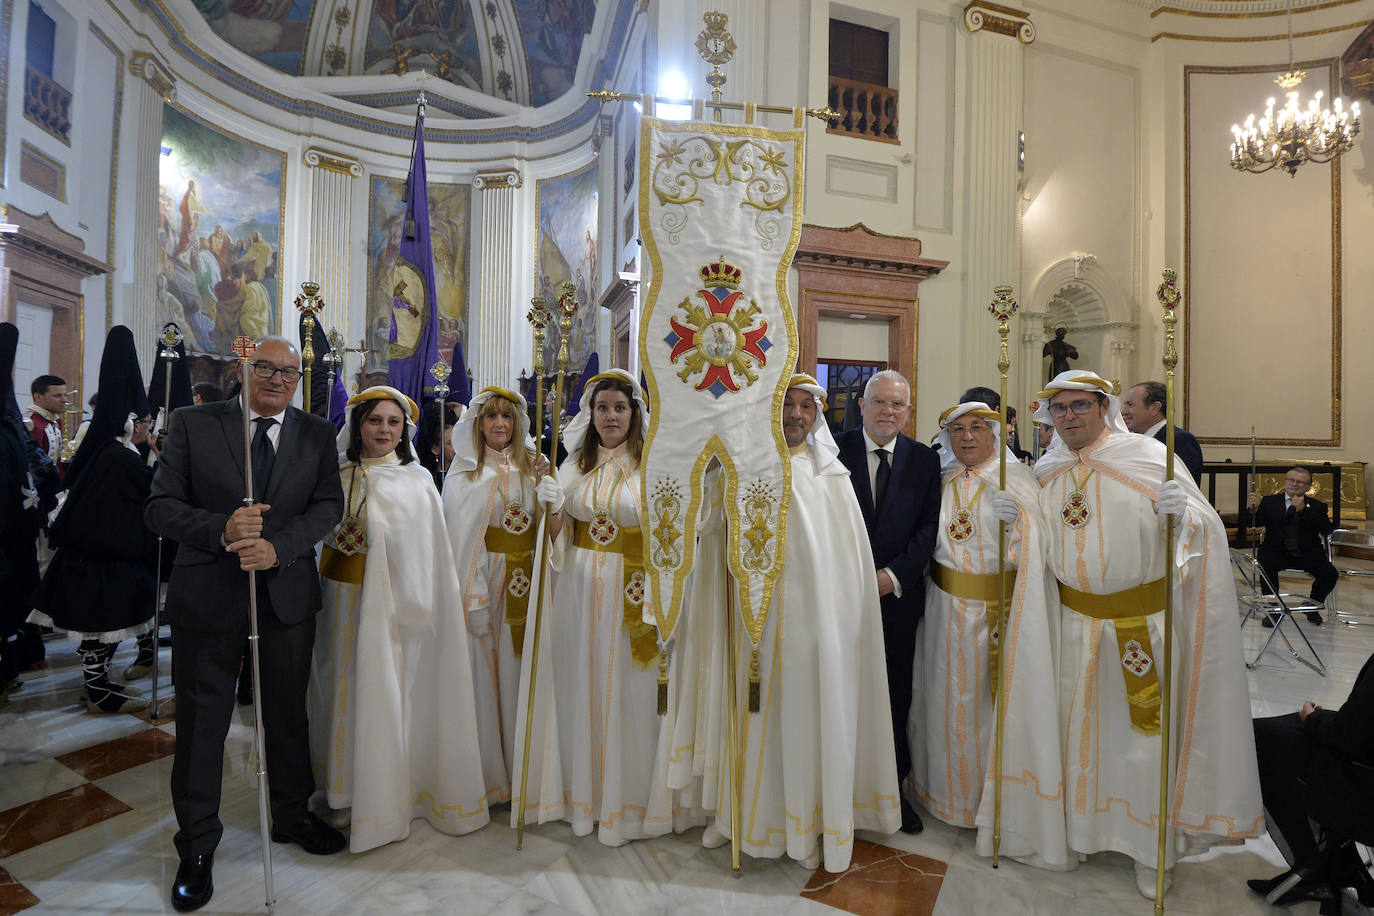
(1318, 745)
(1293, 528)
(897, 481)
(1143, 409)
(197, 500)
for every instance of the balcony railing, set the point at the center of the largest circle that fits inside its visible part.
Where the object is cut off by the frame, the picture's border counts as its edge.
(866, 110)
(47, 104)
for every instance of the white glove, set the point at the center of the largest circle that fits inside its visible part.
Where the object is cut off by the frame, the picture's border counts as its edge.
(479, 621)
(550, 493)
(1173, 499)
(1005, 508)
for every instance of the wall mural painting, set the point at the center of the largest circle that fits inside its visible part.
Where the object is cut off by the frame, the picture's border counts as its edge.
(402, 33)
(218, 236)
(273, 31)
(553, 31)
(449, 211)
(567, 211)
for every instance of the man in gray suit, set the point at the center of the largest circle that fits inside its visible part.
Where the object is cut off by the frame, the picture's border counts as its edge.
(197, 500)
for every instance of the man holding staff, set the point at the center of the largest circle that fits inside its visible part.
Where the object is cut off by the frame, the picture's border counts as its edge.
(1105, 502)
(957, 646)
(197, 500)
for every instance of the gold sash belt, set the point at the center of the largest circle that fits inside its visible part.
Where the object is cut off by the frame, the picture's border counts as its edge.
(518, 549)
(629, 543)
(972, 586)
(341, 567)
(1128, 609)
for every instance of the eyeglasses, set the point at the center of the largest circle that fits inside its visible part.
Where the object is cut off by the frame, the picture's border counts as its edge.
(289, 374)
(974, 429)
(1058, 411)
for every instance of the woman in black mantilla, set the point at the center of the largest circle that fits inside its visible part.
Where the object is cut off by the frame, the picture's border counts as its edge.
(99, 586)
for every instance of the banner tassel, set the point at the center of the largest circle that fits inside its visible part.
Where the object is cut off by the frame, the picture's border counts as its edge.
(754, 679)
(662, 681)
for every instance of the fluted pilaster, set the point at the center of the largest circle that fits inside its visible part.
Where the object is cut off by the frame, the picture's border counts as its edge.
(150, 90)
(489, 352)
(995, 84)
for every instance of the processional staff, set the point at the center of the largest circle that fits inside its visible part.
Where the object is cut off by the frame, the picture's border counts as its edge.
(440, 370)
(1002, 308)
(243, 348)
(309, 302)
(333, 361)
(538, 317)
(171, 336)
(1170, 297)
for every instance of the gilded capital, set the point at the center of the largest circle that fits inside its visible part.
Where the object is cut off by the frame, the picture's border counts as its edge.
(147, 67)
(982, 16)
(317, 158)
(497, 180)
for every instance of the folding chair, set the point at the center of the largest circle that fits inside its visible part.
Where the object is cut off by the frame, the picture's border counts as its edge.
(1279, 608)
(1347, 537)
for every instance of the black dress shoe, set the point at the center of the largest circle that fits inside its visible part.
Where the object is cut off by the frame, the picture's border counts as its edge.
(911, 821)
(1311, 885)
(194, 885)
(1314, 617)
(311, 834)
(1268, 622)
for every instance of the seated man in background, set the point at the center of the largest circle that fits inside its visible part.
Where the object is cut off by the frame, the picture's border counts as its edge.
(1143, 411)
(1318, 745)
(1294, 524)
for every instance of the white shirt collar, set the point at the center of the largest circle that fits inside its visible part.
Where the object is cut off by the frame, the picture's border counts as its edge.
(871, 446)
(279, 417)
(1153, 430)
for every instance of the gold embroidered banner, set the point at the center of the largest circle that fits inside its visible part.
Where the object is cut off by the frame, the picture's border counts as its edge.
(720, 215)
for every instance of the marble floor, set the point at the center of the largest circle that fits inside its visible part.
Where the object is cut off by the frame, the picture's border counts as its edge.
(86, 827)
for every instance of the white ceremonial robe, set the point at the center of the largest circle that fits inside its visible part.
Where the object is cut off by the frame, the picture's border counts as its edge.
(818, 758)
(392, 716)
(608, 727)
(1112, 770)
(470, 507)
(952, 722)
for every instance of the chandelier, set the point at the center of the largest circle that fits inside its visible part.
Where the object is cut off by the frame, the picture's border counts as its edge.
(1293, 134)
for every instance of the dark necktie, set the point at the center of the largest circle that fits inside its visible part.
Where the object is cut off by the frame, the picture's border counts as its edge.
(263, 455)
(880, 479)
(1290, 530)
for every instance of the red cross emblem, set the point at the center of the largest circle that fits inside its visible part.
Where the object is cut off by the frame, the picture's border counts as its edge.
(519, 585)
(634, 589)
(1136, 660)
(243, 347)
(718, 340)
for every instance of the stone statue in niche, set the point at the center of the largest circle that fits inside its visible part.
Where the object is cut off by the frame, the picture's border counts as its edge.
(1058, 351)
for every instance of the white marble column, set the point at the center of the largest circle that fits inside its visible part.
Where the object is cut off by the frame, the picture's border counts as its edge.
(331, 240)
(997, 37)
(153, 86)
(492, 320)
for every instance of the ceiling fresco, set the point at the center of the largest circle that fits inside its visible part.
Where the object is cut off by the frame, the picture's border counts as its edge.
(520, 51)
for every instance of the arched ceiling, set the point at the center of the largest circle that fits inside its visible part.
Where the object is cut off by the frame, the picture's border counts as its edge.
(523, 52)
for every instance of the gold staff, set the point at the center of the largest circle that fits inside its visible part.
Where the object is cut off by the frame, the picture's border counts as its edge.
(243, 348)
(539, 318)
(309, 302)
(1002, 307)
(1170, 297)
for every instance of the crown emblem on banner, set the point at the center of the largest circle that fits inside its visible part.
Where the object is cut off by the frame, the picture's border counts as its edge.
(721, 273)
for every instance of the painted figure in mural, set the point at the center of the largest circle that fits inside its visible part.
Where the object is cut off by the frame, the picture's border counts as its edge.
(1059, 351)
(399, 300)
(191, 208)
(220, 245)
(257, 254)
